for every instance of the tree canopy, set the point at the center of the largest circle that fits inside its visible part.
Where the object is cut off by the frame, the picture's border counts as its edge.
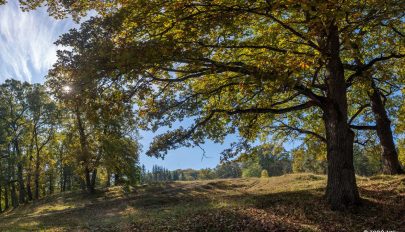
(243, 67)
(325, 72)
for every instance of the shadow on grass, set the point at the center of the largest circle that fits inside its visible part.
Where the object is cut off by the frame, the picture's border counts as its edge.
(221, 206)
(380, 210)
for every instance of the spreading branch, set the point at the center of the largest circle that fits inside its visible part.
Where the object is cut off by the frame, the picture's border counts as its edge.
(303, 106)
(358, 112)
(360, 69)
(300, 130)
(361, 127)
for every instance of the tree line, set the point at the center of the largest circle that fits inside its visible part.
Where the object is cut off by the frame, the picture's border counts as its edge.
(48, 146)
(270, 160)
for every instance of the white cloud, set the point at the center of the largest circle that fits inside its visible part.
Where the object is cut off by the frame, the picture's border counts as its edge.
(26, 42)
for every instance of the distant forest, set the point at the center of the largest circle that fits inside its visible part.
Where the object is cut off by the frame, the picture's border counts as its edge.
(367, 163)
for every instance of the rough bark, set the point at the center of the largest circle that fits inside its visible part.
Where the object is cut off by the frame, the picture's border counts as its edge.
(389, 155)
(341, 190)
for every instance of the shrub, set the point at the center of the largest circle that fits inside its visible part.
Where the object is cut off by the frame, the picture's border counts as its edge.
(264, 174)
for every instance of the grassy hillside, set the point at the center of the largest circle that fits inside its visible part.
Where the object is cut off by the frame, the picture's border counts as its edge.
(287, 203)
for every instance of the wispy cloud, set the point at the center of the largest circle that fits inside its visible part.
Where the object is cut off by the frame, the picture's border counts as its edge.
(26, 42)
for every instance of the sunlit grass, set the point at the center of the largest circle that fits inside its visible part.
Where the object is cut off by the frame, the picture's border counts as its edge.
(52, 208)
(291, 202)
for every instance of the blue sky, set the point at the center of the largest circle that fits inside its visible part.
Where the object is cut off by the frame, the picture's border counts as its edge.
(27, 52)
(26, 42)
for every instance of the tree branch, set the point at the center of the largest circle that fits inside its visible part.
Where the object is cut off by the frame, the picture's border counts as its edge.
(307, 92)
(360, 127)
(303, 131)
(361, 68)
(267, 110)
(358, 112)
(270, 48)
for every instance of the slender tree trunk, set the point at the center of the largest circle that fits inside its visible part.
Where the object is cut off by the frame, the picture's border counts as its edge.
(117, 179)
(29, 170)
(62, 179)
(29, 191)
(66, 178)
(93, 178)
(389, 155)
(341, 190)
(43, 188)
(14, 200)
(20, 177)
(6, 198)
(108, 182)
(1, 197)
(36, 177)
(51, 182)
(37, 167)
(69, 181)
(13, 194)
(21, 196)
(88, 179)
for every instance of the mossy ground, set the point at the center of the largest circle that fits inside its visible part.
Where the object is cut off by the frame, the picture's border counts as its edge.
(287, 203)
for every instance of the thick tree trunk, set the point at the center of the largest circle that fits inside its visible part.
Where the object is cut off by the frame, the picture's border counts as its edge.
(85, 156)
(341, 190)
(389, 155)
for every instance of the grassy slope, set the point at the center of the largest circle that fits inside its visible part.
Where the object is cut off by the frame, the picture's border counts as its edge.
(287, 203)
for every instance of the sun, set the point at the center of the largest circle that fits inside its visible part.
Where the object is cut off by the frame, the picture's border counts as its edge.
(66, 89)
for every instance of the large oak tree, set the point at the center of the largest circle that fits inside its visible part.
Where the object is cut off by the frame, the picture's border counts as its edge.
(238, 65)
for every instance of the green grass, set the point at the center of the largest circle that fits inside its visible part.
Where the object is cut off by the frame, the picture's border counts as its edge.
(287, 203)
